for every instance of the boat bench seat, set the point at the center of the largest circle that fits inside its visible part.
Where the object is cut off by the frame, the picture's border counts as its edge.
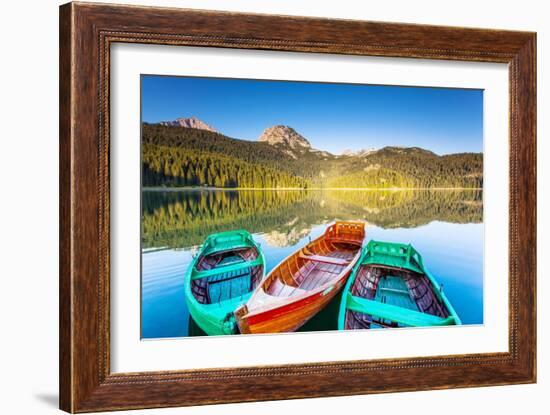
(324, 259)
(240, 266)
(288, 290)
(280, 289)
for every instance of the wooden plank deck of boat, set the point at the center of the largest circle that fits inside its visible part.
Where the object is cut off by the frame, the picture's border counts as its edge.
(316, 271)
(298, 287)
(393, 290)
(325, 259)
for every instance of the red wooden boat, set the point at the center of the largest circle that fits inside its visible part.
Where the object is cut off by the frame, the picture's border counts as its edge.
(303, 283)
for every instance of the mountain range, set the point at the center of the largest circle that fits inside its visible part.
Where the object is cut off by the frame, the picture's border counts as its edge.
(189, 152)
(191, 122)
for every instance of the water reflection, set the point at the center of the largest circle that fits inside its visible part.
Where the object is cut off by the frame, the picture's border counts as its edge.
(181, 219)
(445, 226)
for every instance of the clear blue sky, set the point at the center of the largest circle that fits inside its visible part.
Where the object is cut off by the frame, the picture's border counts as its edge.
(333, 117)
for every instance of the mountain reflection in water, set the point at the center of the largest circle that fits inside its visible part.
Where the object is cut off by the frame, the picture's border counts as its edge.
(182, 219)
(175, 223)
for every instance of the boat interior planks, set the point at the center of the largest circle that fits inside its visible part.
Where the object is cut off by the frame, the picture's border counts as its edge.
(390, 287)
(303, 283)
(229, 266)
(225, 285)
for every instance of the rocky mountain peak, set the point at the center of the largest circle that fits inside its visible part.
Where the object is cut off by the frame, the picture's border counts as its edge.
(282, 134)
(361, 153)
(191, 122)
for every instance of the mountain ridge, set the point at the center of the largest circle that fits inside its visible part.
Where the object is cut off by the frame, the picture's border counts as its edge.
(191, 122)
(281, 135)
(175, 156)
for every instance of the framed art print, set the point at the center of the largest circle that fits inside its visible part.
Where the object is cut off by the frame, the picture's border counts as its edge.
(251, 221)
(261, 207)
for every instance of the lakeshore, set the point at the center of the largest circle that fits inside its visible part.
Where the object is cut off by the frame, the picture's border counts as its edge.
(202, 188)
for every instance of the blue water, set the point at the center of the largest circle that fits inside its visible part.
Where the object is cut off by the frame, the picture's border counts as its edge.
(453, 252)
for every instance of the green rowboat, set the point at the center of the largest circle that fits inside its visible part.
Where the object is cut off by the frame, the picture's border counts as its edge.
(229, 266)
(391, 287)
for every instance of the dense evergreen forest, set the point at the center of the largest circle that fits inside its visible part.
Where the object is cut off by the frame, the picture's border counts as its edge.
(172, 166)
(412, 167)
(183, 157)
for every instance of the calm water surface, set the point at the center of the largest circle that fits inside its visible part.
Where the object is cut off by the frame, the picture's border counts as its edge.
(444, 226)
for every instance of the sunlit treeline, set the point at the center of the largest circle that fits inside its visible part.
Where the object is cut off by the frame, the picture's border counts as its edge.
(412, 168)
(188, 157)
(166, 166)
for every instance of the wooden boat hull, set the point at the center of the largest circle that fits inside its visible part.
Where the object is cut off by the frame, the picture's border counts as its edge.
(391, 287)
(272, 310)
(291, 316)
(213, 294)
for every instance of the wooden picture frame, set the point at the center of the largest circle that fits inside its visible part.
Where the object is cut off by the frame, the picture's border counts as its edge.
(86, 33)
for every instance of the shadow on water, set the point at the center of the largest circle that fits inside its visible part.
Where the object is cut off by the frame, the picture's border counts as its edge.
(194, 329)
(326, 319)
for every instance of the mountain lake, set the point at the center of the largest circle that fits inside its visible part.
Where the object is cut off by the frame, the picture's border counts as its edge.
(445, 226)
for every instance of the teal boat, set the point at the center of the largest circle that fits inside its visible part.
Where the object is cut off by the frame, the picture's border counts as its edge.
(229, 266)
(390, 287)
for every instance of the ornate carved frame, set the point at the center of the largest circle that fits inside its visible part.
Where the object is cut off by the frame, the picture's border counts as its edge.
(86, 33)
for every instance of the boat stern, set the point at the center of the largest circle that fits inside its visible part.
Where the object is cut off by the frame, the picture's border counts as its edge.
(347, 231)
